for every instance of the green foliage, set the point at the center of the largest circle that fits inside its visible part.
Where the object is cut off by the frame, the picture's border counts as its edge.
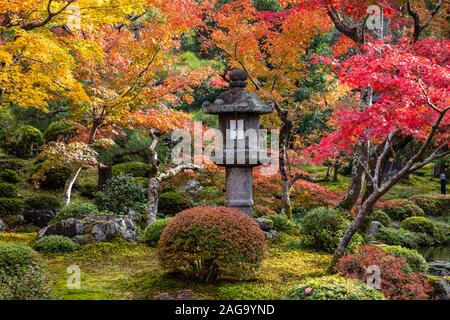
(19, 140)
(54, 178)
(281, 223)
(62, 130)
(382, 217)
(153, 232)
(11, 206)
(422, 225)
(55, 244)
(88, 188)
(42, 201)
(322, 228)
(120, 194)
(403, 209)
(403, 237)
(9, 175)
(204, 242)
(135, 169)
(267, 5)
(415, 261)
(7, 190)
(433, 205)
(22, 274)
(172, 202)
(333, 288)
(77, 210)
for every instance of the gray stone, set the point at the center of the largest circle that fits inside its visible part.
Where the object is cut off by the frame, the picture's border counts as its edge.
(2, 226)
(69, 227)
(94, 228)
(191, 188)
(439, 268)
(265, 224)
(442, 288)
(272, 235)
(374, 228)
(83, 239)
(39, 218)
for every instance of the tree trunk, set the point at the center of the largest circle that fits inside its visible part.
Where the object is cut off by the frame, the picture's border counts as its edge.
(152, 207)
(354, 188)
(363, 210)
(104, 174)
(69, 184)
(286, 199)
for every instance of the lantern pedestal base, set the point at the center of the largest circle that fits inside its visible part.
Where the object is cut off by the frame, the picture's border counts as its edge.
(240, 189)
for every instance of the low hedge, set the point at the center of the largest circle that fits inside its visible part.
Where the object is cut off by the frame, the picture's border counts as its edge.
(42, 201)
(135, 169)
(55, 244)
(7, 190)
(152, 233)
(11, 206)
(333, 288)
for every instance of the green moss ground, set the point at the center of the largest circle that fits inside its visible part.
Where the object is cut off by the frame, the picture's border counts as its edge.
(123, 270)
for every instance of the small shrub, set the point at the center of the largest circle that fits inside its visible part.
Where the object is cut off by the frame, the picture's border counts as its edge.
(395, 283)
(322, 228)
(433, 205)
(9, 175)
(11, 206)
(42, 201)
(77, 210)
(152, 233)
(55, 179)
(143, 182)
(419, 224)
(205, 242)
(7, 190)
(172, 202)
(120, 194)
(20, 140)
(401, 237)
(415, 261)
(22, 274)
(403, 209)
(422, 225)
(135, 169)
(55, 244)
(382, 217)
(333, 288)
(62, 130)
(88, 189)
(281, 223)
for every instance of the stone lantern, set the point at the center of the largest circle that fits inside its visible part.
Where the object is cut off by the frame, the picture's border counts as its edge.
(239, 111)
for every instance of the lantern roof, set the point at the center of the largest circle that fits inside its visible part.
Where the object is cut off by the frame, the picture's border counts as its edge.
(237, 99)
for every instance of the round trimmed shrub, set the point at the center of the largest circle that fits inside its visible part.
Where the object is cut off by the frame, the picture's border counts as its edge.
(21, 139)
(22, 275)
(55, 179)
(135, 169)
(419, 224)
(403, 209)
(395, 282)
(415, 261)
(55, 244)
(152, 233)
(205, 242)
(382, 217)
(42, 201)
(172, 202)
(77, 210)
(11, 206)
(282, 223)
(433, 205)
(62, 130)
(426, 227)
(322, 228)
(333, 288)
(7, 190)
(400, 236)
(9, 175)
(120, 194)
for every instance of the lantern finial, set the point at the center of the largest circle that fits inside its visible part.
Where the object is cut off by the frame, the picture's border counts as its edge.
(238, 78)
